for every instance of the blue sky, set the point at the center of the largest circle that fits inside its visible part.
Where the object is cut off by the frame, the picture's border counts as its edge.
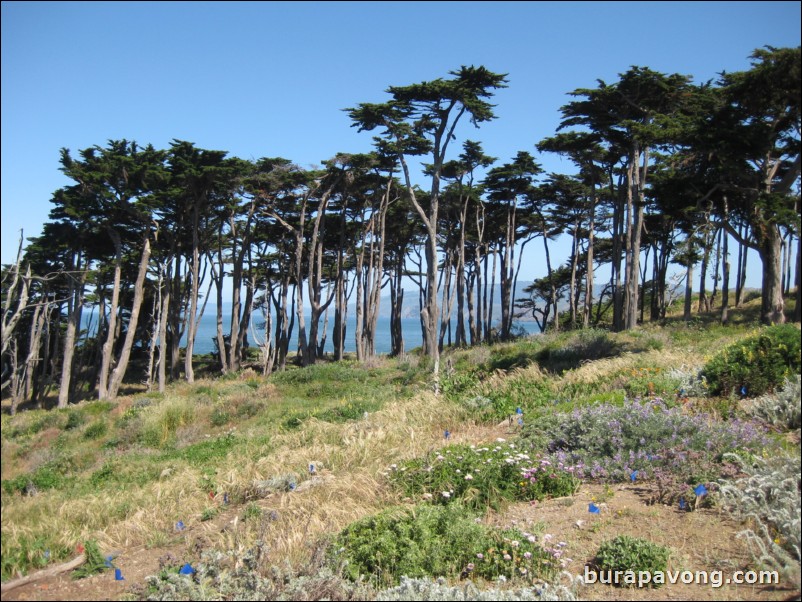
(271, 78)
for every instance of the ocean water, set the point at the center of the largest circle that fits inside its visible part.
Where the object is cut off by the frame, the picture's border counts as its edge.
(207, 333)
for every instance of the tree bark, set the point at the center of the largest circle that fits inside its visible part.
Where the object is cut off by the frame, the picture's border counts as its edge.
(139, 294)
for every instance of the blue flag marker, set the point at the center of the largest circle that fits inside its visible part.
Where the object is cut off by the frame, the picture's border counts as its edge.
(520, 422)
(108, 561)
(447, 434)
(311, 469)
(47, 554)
(519, 411)
(700, 490)
(743, 390)
(186, 570)
(292, 486)
(179, 526)
(118, 575)
(682, 504)
(225, 498)
(593, 508)
(634, 476)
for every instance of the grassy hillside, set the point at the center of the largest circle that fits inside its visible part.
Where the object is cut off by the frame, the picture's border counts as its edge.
(315, 476)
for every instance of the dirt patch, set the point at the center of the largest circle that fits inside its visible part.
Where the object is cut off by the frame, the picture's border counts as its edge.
(703, 540)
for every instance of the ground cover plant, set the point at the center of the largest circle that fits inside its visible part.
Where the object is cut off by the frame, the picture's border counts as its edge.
(644, 440)
(633, 555)
(440, 541)
(781, 409)
(482, 476)
(767, 497)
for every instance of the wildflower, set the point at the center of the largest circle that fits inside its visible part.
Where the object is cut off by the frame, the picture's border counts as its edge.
(515, 543)
(548, 537)
(468, 477)
(470, 566)
(523, 570)
(507, 557)
(480, 556)
(531, 539)
(527, 555)
(500, 440)
(446, 494)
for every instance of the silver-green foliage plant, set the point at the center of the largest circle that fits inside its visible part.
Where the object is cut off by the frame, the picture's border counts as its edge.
(238, 576)
(690, 382)
(782, 409)
(768, 497)
(438, 589)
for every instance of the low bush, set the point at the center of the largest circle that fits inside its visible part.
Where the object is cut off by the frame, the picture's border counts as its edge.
(757, 364)
(612, 442)
(430, 589)
(768, 497)
(439, 541)
(632, 554)
(484, 476)
(782, 409)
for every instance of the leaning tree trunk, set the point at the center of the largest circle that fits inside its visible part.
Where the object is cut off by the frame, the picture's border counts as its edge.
(108, 346)
(73, 322)
(139, 294)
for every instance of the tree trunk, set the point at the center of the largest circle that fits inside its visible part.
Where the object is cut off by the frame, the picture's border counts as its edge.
(798, 308)
(139, 294)
(108, 346)
(193, 300)
(725, 283)
(772, 303)
(73, 324)
(688, 291)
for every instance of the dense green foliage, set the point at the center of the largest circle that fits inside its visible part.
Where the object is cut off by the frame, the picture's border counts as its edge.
(756, 365)
(439, 541)
(634, 554)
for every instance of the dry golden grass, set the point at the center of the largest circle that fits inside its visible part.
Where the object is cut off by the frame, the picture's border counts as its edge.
(593, 372)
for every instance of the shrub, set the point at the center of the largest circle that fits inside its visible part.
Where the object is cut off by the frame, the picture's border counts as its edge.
(484, 476)
(76, 418)
(614, 441)
(768, 496)
(633, 554)
(236, 575)
(429, 589)
(758, 364)
(49, 476)
(782, 409)
(437, 541)
(219, 417)
(96, 430)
